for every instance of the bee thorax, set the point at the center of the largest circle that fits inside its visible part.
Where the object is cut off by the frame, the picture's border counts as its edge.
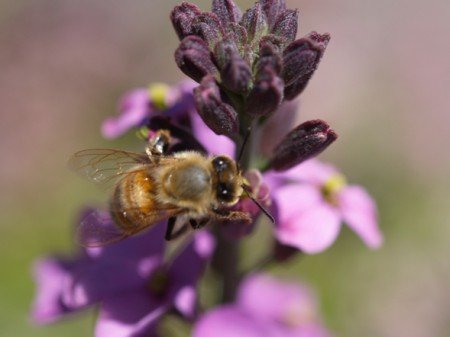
(188, 183)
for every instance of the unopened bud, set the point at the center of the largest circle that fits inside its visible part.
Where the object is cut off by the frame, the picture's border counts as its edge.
(300, 60)
(208, 27)
(255, 22)
(193, 57)
(227, 11)
(182, 17)
(304, 142)
(286, 25)
(217, 115)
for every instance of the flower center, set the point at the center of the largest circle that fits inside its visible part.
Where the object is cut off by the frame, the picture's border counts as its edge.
(332, 186)
(297, 315)
(158, 282)
(158, 93)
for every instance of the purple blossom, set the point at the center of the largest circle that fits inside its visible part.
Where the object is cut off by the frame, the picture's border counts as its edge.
(266, 307)
(138, 105)
(129, 281)
(313, 200)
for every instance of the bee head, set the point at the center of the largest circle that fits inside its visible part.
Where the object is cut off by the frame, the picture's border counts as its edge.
(228, 180)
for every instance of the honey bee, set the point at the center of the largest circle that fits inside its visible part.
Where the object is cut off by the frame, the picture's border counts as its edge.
(188, 189)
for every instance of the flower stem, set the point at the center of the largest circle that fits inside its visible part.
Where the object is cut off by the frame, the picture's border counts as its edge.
(226, 257)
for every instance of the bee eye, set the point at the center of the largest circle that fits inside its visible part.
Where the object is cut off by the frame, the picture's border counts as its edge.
(220, 164)
(224, 192)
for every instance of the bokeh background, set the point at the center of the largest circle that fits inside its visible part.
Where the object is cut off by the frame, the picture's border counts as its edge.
(383, 84)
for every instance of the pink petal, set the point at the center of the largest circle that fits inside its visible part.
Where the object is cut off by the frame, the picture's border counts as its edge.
(232, 321)
(360, 213)
(305, 220)
(294, 198)
(312, 171)
(281, 299)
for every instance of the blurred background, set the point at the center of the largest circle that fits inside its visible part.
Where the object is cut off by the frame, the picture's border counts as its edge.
(383, 85)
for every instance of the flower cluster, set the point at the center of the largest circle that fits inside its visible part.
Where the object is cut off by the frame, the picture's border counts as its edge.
(248, 66)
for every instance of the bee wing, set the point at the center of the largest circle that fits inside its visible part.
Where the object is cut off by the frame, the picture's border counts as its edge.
(102, 166)
(106, 166)
(98, 228)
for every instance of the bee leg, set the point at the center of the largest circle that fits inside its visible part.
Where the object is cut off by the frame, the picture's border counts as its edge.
(224, 215)
(158, 144)
(170, 234)
(197, 224)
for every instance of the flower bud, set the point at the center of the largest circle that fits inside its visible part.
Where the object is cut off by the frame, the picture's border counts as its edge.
(304, 142)
(182, 17)
(255, 22)
(272, 8)
(286, 25)
(266, 94)
(301, 59)
(194, 58)
(217, 115)
(208, 27)
(236, 75)
(227, 11)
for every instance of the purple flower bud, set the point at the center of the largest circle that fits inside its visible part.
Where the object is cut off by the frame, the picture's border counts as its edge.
(217, 115)
(272, 8)
(301, 59)
(237, 75)
(238, 34)
(268, 59)
(266, 94)
(255, 22)
(208, 27)
(182, 17)
(304, 142)
(194, 58)
(286, 25)
(227, 11)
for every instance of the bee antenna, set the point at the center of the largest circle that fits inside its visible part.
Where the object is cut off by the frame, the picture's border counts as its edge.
(257, 203)
(244, 143)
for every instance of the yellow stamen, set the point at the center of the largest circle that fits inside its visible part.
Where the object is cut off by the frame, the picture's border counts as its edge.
(332, 186)
(158, 94)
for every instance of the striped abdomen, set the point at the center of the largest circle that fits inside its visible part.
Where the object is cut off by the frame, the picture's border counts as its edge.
(134, 204)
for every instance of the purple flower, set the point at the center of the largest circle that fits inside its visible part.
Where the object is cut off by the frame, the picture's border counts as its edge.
(129, 281)
(138, 105)
(313, 199)
(266, 307)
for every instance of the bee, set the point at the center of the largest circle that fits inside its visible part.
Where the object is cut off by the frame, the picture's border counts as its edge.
(188, 189)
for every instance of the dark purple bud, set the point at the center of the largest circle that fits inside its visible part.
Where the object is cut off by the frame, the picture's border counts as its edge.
(272, 8)
(274, 41)
(301, 59)
(224, 51)
(194, 58)
(227, 11)
(268, 59)
(266, 95)
(304, 142)
(238, 34)
(255, 22)
(208, 27)
(182, 17)
(286, 25)
(237, 75)
(217, 115)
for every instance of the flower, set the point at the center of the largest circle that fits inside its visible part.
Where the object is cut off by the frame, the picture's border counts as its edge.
(266, 307)
(138, 105)
(129, 281)
(313, 199)
(245, 63)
